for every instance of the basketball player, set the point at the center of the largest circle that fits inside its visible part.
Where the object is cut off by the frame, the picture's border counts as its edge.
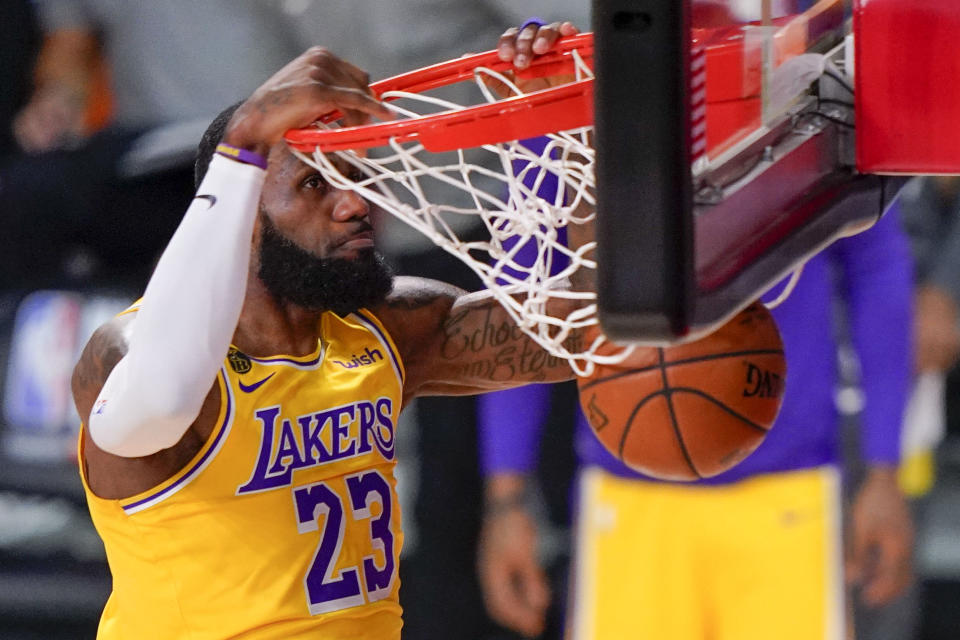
(755, 552)
(238, 447)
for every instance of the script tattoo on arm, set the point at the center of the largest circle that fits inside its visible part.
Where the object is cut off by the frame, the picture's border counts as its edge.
(454, 343)
(485, 347)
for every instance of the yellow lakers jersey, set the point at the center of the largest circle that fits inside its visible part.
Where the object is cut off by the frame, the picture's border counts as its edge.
(286, 523)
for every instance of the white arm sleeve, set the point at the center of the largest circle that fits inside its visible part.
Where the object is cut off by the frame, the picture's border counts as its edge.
(187, 318)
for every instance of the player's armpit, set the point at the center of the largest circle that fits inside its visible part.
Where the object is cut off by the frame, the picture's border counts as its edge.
(455, 343)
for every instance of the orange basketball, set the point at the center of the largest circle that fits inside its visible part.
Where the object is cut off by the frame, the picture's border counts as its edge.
(693, 410)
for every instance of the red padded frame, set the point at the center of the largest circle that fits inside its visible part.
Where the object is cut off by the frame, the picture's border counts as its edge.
(907, 75)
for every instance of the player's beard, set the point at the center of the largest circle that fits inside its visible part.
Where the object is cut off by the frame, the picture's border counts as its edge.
(293, 274)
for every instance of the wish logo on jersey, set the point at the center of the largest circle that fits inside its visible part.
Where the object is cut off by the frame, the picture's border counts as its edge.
(362, 360)
(318, 438)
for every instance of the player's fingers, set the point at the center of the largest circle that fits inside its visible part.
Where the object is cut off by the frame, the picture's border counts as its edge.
(568, 29)
(505, 594)
(856, 560)
(518, 616)
(893, 572)
(523, 45)
(353, 118)
(504, 604)
(529, 626)
(546, 37)
(505, 47)
(353, 99)
(852, 570)
(341, 71)
(329, 69)
(883, 588)
(359, 76)
(501, 89)
(340, 76)
(495, 577)
(537, 591)
(532, 598)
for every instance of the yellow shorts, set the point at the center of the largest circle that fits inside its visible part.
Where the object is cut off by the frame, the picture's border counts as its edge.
(760, 559)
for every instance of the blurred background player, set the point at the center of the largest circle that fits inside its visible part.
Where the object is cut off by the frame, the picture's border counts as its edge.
(122, 92)
(931, 216)
(930, 209)
(755, 551)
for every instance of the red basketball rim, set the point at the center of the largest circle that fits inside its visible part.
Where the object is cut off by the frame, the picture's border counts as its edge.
(560, 108)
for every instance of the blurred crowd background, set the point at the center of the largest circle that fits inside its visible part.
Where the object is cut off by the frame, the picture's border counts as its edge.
(102, 103)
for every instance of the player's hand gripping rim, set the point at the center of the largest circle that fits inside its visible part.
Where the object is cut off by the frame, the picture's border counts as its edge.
(521, 44)
(315, 83)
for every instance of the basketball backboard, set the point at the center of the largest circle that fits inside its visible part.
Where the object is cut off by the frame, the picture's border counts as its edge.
(726, 155)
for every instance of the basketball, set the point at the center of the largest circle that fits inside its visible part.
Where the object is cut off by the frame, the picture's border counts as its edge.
(694, 410)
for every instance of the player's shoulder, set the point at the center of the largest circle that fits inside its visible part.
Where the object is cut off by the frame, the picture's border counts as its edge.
(417, 299)
(416, 309)
(103, 351)
(412, 293)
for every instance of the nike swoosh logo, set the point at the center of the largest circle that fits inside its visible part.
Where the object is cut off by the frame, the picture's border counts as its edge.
(256, 385)
(209, 198)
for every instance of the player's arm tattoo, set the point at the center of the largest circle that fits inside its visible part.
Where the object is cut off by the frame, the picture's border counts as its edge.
(454, 343)
(101, 354)
(485, 345)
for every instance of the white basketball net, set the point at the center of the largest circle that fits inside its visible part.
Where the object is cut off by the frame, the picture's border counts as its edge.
(508, 200)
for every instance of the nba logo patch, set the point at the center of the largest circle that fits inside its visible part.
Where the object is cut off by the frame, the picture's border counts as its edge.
(98, 407)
